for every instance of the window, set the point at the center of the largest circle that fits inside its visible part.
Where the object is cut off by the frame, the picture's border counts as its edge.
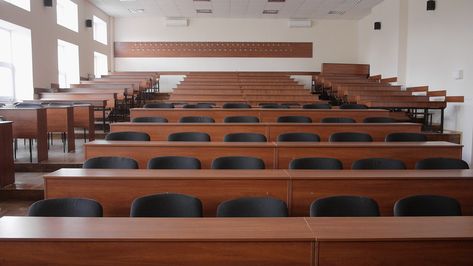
(68, 63)
(100, 64)
(100, 30)
(25, 4)
(16, 68)
(67, 14)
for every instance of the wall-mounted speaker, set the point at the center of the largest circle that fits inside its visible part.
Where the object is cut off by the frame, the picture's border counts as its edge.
(48, 3)
(431, 5)
(377, 26)
(88, 23)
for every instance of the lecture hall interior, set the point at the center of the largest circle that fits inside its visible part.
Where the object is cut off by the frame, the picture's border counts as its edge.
(236, 132)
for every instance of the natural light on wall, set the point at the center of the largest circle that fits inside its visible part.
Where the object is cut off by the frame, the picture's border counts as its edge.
(16, 68)
(67, 14)
(25, 4)
(68, 63)
(100, 30)
(100, 65)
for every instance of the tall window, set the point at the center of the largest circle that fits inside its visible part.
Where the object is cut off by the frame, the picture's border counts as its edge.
(67, 14)
(16, 68)
(25, 4)
(68, 63)
(100, 30)
(100, 65)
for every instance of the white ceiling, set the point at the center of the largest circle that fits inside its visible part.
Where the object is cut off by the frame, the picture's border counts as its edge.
(315, 9)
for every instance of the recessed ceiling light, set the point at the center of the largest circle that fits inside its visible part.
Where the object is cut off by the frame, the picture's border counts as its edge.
(137, 10)
(127, 0)
(201, 0)
(270, 12)
(204, 11)
(276, 1)
(336, 12)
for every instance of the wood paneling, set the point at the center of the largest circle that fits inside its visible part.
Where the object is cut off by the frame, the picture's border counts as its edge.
(346, 69)
(7, 168)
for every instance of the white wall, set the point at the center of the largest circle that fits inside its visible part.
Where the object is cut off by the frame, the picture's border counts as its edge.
(334, 41)
(45, 32)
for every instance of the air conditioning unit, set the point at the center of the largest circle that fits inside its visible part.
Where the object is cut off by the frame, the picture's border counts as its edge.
(300, 23)
(177, 22)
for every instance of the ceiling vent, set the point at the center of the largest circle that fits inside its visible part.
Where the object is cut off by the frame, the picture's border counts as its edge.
(335, 12)
(300, 23)
(177, 22)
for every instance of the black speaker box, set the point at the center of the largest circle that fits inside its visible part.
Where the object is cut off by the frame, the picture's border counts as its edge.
(48, 3)
(431, 5)
(88, 23)
(377, 25)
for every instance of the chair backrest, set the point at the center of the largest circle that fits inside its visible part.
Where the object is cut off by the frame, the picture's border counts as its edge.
(241, 119)
(198, 106)
(379, 120)
(128, 136)
(378, 164)
(149, 119)
(244, 137)
(166, 205)
(159, 105)
(338, 120)
(350, 137)
(294, 119)
(196, 119)
(110, 162)
(317, 106)
(28, 105)
(252, 207)
(442, 163)
(236, 106)
(189, 136)
(353, 106)
(315, 163)
(274, 106)
(174, 162)
(417, 137)
(66, 207)
(344, 206)
(299, 137)
(238, 162)
(427, 205)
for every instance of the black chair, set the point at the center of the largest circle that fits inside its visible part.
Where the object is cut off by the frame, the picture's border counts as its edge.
(196, 119)
(237, 162)
(294, 119)
(416, 137)
(252, 207)
(198, 106)
(149, 119)
(338, 120)
(378, 164)
(350, 137)
(314, 163)
(189, 136)
(174, 162)
(244, 137)
(344, 206)
(441, 163)
(241, 119)
(274, 106)
(110, 162)
(159, 105)
(166, 205)
(353, 106)
(206, 105)
(29, 105)
(427, 205)
(66, 207)
(317, 106)
(128, 136)
(236, 106)
(379, 120)
(299, 137)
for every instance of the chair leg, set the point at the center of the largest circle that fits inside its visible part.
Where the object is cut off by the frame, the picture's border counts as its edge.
(85, 136)
(15, 146)
(31, 150)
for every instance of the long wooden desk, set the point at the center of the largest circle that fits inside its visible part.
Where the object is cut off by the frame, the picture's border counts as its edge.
(236, 241)
(7, 167)
(116, 189)
(265, 115)
(275, 155)
(217, 131)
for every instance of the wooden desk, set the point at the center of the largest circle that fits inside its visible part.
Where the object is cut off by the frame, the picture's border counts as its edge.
(154, 241)
(7, 167)
(84, 117)
(61, 119)
(217, 131)
(29, 123)
(393, 241)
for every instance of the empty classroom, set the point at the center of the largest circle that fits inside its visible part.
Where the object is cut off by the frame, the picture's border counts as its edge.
(236, 132)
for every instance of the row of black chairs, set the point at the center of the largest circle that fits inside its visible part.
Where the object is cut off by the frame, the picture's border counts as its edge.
(254, 119)
(241, 162)
(180, 205)
(248, 106)
(256, 137)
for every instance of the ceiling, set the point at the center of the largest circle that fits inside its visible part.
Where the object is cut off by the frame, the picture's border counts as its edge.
(314, 9)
